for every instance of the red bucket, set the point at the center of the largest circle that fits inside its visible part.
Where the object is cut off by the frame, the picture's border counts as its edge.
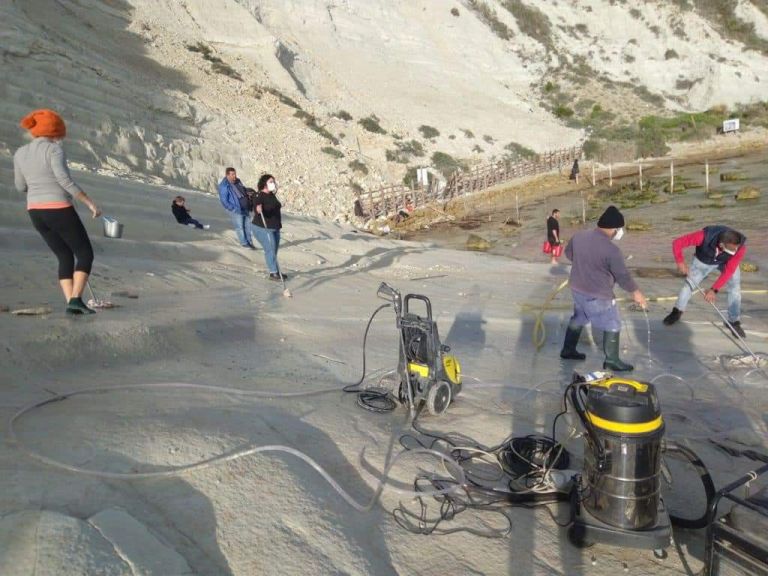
(546, 248)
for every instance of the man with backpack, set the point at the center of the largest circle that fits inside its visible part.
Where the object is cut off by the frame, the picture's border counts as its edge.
(236, 200)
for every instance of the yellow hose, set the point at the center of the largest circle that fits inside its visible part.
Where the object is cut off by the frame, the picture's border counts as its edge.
(539, 332)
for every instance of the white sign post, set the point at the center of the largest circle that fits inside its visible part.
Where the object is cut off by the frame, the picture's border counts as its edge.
(731, 125)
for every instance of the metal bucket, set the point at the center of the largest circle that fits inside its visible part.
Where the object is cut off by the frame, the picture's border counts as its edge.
(112, 228)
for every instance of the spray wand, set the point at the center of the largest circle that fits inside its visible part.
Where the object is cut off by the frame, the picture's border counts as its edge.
(695, 286)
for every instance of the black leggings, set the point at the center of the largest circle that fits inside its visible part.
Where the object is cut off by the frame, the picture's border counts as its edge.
(65, 234)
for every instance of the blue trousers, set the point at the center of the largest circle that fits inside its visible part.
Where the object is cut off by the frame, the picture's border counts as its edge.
(242, 227)
(697, 271)
(602, 313)
(270, 241)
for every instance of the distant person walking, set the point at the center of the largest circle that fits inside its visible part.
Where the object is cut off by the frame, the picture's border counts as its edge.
(575, 171)
(267, 223)
(41, 172)
(717, 248)
(598, 265)
(235, 200)
(181, 213)
(553, 246)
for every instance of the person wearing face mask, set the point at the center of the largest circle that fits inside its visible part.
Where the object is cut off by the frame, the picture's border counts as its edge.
(717, 248)
(598, 265)
(267, 223)
(41, 172)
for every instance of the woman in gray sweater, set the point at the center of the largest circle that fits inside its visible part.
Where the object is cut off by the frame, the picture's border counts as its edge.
(41, 172)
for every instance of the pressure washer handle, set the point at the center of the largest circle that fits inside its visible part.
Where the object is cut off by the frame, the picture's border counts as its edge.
(386, 292)
(424, 299)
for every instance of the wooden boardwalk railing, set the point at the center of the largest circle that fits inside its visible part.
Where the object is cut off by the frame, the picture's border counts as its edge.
(387, 201)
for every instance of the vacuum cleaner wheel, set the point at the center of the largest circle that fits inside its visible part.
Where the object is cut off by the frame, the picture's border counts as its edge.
(438, 398)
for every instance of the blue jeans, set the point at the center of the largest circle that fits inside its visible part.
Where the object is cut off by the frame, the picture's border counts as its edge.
(696, 274)
(270, 241)
(242, 227)
(603, 314)
(193, 222)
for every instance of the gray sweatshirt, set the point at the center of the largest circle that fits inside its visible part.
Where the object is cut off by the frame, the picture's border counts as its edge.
(40, 169)
(598, 264)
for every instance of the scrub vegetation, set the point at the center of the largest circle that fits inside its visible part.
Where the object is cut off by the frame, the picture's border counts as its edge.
(404, 151)
(429, 132)
(217, 64)
(358, 166)
(311, 122)
(331, 151)
(722, 15)
(371, 123)
(651, 134)
(519, 151)
(532, 22)
(490, 18)
(446, 164)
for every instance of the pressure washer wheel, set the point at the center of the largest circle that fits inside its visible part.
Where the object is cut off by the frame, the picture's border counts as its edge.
(438, 398)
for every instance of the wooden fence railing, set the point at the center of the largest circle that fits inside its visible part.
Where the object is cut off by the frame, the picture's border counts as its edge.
(387, 201)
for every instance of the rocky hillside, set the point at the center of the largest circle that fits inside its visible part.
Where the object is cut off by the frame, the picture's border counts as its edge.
(334, 96)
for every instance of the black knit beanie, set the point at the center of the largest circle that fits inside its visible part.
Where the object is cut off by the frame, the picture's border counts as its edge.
(611, 218)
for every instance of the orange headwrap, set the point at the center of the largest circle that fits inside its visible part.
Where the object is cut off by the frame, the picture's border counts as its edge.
(44, 123)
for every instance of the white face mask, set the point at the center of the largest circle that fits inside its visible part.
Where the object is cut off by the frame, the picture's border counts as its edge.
(271, 185)
(729, 252)
(619, 234)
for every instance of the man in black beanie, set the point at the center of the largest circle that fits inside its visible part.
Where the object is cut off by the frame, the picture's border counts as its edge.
(598, 264)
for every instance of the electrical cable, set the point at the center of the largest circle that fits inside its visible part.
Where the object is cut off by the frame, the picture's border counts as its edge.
(450, 506)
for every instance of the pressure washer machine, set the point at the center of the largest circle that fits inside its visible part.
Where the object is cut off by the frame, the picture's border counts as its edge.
(616, 499)
(428, 374)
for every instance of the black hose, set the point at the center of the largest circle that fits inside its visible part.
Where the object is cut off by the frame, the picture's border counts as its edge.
(371, 399)
(581, 411)
(706, 480)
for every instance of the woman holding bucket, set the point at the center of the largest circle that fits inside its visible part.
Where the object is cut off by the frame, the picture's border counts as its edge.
(41, 171)
(267, 223)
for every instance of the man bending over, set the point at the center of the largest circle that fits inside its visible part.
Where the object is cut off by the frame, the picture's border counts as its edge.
(717, 248)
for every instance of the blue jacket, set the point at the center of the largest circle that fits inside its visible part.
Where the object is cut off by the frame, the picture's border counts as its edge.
(228, 196)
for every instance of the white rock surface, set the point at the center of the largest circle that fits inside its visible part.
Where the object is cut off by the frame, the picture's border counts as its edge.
(145, 554)
(140, 104)
(47, 543)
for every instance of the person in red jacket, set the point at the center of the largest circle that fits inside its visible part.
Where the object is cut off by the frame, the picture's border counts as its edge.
(717, 248)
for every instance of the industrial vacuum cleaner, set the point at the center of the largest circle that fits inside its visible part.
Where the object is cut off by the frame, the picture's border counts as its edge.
(616, 499)
(428, 374)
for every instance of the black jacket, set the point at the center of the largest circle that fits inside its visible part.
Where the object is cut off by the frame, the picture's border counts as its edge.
(181, 213)
(270, 209)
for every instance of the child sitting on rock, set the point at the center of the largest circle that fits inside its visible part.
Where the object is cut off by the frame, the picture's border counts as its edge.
(181, 212)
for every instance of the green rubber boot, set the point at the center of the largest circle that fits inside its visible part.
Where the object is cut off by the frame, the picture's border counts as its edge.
(569, 351)
(611, 348)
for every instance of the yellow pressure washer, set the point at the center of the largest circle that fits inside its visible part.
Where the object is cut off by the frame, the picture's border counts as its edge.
(617, 498)
(428, 374)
